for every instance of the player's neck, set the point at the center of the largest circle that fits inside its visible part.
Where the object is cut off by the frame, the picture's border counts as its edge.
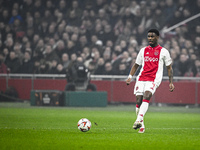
(154, 45)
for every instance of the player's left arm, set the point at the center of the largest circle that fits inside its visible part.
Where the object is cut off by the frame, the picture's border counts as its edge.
(170, 74)
(168, 63)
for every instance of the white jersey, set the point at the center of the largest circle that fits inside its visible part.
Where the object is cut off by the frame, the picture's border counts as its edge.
(152, 60)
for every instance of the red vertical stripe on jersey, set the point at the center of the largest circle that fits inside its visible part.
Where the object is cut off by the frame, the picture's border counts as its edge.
(151, 61)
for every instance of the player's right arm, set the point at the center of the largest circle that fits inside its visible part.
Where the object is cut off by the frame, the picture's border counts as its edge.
(138, 62)
(132, 72)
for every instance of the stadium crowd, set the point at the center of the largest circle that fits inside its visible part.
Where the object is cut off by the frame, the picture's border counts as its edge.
(49, 37)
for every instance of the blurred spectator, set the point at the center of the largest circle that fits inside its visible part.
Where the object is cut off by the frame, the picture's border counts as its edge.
(65, 60)
(17, 28)
(140, 34)
(19, 54)
(71, 48)
(60, 30)
(62, 7)
(133, 7)
(30, 34)
(108, 70)
(158, 19)
(39, 50)
(183, 64)
(128, 16)
(74, 38)
(96, 57)
(50, 6)
(175, 60)
(107, 54)
(100, 67)
(114, 16)
(122, 70)
(123, 45)
(60, 48)
(15, 16)
(197, 46)
(52, 42)
(125, 58)
(71, 71)
(38, 6)
(27, 63)
(83, 41)
(86, 51)
(75, 7)
(43, 28)
(98, 31)
(44, 68)
(197, 65)
(147, 20)
(13, 63)
(6, 55)
(74, 19)
(53, 68)
(3, 67)
(138, 18)
(196, 7)
(36, 67)
(50, 54)
(91, 67)
(73, 60)
(5, 16)
(192, 71)
(169, 10)
(36, 38)
(94, 40)
(102, 15)
(48, 16)
(51, 31)
(60, 69)
(9, 44)
(28, 6)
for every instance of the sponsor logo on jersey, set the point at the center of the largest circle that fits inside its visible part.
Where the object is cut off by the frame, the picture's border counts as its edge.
(150, 59)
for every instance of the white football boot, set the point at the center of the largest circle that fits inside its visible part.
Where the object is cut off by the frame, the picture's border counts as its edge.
(137, 125)
(142, 129)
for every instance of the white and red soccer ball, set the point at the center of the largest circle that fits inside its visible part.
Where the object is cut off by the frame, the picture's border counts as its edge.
(84, 125)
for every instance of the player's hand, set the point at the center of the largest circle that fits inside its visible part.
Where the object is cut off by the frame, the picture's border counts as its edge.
(128, 81)
(171, 87)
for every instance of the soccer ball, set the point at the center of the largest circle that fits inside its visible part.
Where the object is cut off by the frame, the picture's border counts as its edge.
(84, 125)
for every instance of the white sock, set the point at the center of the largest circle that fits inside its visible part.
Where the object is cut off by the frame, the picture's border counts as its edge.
(142, 124)
(143, 109)
(137, 109)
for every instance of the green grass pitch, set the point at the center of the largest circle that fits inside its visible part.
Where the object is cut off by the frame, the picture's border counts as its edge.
(23, 127)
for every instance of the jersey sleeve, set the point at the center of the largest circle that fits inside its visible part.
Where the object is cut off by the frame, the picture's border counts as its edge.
(167, 58)
(139, 58)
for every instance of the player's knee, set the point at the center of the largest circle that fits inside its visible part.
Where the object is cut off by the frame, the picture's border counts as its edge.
(147, 95)
(139, 100)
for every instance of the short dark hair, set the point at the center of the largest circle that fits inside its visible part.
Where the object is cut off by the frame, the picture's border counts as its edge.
(154, 31)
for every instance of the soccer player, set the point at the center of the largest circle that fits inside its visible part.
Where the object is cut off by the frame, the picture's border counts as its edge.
(152, 58)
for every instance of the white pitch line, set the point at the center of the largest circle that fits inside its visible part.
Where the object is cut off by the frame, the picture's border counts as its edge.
(176, 128)
(101, 128)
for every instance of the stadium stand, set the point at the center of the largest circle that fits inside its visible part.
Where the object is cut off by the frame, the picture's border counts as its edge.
(107, 34)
